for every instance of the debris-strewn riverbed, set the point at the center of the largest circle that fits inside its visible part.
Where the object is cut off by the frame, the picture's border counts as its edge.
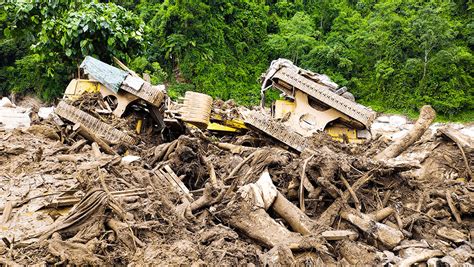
(191, 196)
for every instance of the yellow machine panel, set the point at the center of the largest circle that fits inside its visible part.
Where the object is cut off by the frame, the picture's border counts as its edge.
(78, 87)
(221, 128)
(338, 133)
(282, 107)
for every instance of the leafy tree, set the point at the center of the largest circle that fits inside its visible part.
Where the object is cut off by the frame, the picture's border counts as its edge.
(392, 54)
(59, 40)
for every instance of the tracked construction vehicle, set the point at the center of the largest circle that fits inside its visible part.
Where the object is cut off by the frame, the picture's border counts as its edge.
(311, 103)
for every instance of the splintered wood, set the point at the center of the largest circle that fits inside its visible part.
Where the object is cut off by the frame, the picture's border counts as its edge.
(93, 191)
(166, 174)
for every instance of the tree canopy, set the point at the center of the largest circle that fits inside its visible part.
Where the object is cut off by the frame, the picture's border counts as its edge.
(392, 54)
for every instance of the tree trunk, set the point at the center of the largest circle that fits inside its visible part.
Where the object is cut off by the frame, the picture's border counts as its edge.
(427, 115)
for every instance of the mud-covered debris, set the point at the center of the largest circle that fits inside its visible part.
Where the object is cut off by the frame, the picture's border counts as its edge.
(102, 188)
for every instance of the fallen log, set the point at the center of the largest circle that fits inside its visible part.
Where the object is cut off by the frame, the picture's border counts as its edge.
(382, 213)
(89, 135)
(296, 218)
(389, 236)
(335, 235)
(463, 144)
(246, 211)
(423, 256)
(427, 115)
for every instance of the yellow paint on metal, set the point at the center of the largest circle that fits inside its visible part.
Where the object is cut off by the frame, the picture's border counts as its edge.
(238, 124)
(78, 87)
(282, 107)
(213, 126)
(138, 128)
(339, 133)
(222, 125)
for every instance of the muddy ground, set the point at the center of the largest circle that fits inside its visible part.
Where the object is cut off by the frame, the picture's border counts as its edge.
(66, 202)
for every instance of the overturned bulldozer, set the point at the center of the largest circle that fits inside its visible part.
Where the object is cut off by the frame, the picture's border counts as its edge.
(312, 103)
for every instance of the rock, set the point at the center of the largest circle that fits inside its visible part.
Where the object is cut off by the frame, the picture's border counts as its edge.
(399, 134)
(5, 102)
(278, 256)
(385, 119)
(433, 262)
(397, 121)
(449, 261)
(407, 126)
(14, 117)
(45, 112)
(378, 127)
(43, 130)
(461, 254)
(357, 253)
(129, 159)
(469, 131)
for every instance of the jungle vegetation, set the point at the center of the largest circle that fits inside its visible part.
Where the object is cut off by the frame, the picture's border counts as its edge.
(393, 55)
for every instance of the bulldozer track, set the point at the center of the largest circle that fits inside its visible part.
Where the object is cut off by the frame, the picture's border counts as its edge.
(320, 92)
(105, 131)
(276, 130)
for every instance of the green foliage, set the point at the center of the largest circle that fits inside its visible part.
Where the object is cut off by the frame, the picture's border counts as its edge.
(57, 37)
(392, 54)
(218, 48)
(295, 39)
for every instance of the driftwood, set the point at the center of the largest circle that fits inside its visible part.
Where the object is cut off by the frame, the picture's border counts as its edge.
(423, 256)
(206, 199)
(91, 208)
(303, 181)
(124, 234)
(463, 144)
(382, 213)
(389, 236)
(427, 115)
(297, 219)
(246, 211)
(328, 216)
(333, 235)
(76, 146)
(89, 135)
(95, 150)
(452, 207)
(74, 252)
(236, 149)
(7, 211)
(64, 201)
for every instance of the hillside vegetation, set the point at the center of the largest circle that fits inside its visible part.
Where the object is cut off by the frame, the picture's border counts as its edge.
(394, 55)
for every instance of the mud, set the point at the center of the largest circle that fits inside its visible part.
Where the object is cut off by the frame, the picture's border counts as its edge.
(62, 203)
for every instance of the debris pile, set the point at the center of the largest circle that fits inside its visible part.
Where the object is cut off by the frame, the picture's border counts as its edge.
(120, 174)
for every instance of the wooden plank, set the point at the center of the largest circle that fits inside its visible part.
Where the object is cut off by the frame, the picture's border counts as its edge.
(173, 179)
